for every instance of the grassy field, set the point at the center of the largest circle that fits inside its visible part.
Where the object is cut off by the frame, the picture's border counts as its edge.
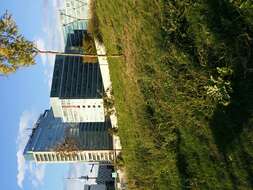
(183, 91)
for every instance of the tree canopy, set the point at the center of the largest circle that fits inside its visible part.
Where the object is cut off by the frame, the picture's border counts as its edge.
(15, 50)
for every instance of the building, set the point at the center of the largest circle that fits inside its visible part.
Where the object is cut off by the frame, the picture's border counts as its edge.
(74, 16)
(53, 141)
(74, 42)
(103, 177)
(77, 90)
(77, 86)
(95, 187)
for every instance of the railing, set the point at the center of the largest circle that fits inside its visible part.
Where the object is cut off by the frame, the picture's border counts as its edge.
(76, 156)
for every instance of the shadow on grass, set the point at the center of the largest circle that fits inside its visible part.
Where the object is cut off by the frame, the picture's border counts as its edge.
(230, 124)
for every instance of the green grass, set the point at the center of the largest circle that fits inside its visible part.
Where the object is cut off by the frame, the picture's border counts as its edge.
(174, 135)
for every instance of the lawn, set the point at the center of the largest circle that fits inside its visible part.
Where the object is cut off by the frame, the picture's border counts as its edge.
(183, 91)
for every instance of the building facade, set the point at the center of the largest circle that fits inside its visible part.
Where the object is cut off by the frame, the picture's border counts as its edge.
(95, 187)
(103, 178)
(75, 129)
(77, 90)
(53, 141)
(77, 86)
(74, 42)
(74, 16)
(104, 175)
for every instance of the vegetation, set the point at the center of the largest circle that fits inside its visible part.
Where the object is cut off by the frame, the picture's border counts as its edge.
(108, 100)
(113, 131)
(93, 23)
(69, 146)
(184, 92)
(89, 48)
(15, 50)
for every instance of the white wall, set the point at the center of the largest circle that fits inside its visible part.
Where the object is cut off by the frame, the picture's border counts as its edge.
(78, 110)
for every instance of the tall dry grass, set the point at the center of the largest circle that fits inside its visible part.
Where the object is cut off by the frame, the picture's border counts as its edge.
(93, 23)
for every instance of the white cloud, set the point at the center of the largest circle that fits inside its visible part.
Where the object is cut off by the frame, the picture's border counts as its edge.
(21, 168)
(36, 172)
(26, 122)
(47, 61)
(40, 43)
(78, 170)
(51, 37)
(52, 25)
(75, 171)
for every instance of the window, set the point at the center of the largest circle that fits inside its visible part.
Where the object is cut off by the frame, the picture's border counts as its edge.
(75, 116)
(50, 157)
(85, 156)
(45, 157)
(37, 157)
(94, 106)
(106, 156)
(110, 156)
(88, 106)
(65, 113)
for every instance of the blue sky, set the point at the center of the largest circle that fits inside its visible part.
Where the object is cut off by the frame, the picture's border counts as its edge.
(25, 94)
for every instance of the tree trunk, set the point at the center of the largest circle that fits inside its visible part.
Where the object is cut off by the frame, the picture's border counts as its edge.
(77, 55)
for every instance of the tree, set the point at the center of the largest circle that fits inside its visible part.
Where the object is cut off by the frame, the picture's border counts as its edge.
(69, 146)
(15, 50)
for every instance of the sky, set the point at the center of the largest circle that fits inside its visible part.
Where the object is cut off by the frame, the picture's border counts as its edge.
(24, 95)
